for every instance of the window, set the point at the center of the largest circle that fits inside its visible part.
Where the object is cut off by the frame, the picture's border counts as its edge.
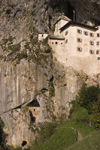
(79, 49)
(42, 35)
(66, 41)
(98, 58)
(91, 34)
(98, 34)
(85, 33)
(66, 32)
(91, 43)
(79, 31)
(52, 42)
(56, 42)
(79, 40)
(97, 43)
(91, 52)
(97, 52)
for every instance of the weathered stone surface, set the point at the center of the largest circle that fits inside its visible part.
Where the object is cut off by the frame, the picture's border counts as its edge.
(21, 83)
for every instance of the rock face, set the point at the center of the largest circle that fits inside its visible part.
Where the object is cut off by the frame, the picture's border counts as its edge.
(86, 11)
(19, 83)
(19, 15)
(34, 86)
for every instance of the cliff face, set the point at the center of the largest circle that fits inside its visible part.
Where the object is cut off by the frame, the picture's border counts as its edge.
(86, 11)
(18, 16)
(34, 86)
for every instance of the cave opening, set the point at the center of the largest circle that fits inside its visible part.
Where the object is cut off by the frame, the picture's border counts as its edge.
(24, 143)
(8, 11)
(69, 11)
(51, 79)
(34, 103)
(44, 90)
(33, 119)
(50, 18)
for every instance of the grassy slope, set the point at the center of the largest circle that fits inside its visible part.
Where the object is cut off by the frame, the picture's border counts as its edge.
(64, 134)
(91, 142)
(59, 140)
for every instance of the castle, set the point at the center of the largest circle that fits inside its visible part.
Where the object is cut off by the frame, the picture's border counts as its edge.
(76, 45)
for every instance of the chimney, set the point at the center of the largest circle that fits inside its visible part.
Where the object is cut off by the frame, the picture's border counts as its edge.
(62, 15)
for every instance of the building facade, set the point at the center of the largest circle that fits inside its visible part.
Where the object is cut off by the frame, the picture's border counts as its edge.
(77, 45)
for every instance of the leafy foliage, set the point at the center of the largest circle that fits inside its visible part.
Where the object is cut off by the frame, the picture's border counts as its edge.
(51, 89)
(89, 98)
(44, 134)
(96, 113)
(2, 134)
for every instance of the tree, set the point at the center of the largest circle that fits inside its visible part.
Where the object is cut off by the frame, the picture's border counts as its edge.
(81, 94)
(87, 96)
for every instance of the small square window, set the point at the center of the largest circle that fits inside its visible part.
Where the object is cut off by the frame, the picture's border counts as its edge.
(52, 42)
(56, 42)
(98, 35)
(66, 41)
(91, 34)
(97, 43)
(97, 52)
(91, 43)
(42, 35)
(79, 49)
(98, 58)
(79, 31)
(79, 40)
(91, 52)
(66, 32)
(85, 33)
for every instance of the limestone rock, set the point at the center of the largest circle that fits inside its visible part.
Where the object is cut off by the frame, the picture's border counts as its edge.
(24, 80)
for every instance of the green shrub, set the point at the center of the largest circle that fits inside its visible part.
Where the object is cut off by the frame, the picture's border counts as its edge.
(45, 41)
(81, 94)
(87, 96)
(21, 55)
(74, 105)
(49, 129)
(27, 45)
(32, 12)
(44, 134)
(56, 10)
(52, 91)
(1, 56)
(96, 113)
(15, 47)
(25, 108)
(18, 148)
(53, 28)
(2, 134)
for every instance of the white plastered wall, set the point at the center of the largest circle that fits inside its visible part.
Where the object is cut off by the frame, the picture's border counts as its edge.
(68, 55)
(41, 37)
(59, 50)
(58, 25)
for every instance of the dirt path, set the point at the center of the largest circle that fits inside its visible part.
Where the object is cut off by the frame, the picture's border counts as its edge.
(79, 134)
